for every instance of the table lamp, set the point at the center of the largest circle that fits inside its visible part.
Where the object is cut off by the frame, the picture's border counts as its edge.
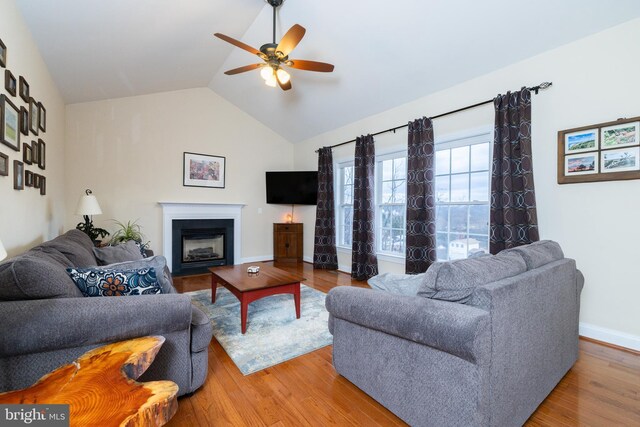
(88, 206)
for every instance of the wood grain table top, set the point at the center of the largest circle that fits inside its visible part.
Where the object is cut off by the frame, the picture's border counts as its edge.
(237, 277)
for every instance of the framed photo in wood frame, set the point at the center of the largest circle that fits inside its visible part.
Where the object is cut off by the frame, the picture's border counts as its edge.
(43, 186)
(18, 175)
(33, 116)
(34, 152)
(4, 165)
(202, 170)
(42, 154)
(27, 156)
(24, 121)
(10, 83)
(28, 178)
(3, 54)
(607, 151)
(24, 89)
(10, 123)
(36, 180)
(42, 117)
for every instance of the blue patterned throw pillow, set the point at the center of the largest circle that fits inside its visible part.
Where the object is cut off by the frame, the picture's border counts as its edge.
(97, 282)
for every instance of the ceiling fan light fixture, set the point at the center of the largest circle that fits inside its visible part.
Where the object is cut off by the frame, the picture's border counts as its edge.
(266, 73)
(283, 76)
(271, 81)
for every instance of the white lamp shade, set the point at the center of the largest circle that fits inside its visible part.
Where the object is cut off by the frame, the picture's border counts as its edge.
(3, 252)
(88, 205)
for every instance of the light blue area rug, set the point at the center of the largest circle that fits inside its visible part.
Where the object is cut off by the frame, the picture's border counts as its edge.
(274, 335)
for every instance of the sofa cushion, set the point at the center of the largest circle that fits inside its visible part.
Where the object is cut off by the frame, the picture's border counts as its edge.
(76, 246)
(36, 275)
(401, 284)
(539, 253)
(99, 282)
(158, 262)
(456, 280)
(129, 251)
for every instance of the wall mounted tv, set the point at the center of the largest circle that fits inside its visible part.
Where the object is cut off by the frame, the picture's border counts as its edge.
(292, 188)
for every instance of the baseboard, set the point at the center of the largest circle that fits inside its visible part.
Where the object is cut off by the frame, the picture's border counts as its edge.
(621, 339)
(308, 259)
(256, 259)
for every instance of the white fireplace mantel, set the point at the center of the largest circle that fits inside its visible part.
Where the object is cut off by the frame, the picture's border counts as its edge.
(179, 210)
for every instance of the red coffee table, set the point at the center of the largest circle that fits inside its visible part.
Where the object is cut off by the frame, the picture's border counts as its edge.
(251, 287)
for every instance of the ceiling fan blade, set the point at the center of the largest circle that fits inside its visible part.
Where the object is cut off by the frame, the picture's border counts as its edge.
(283, 86)
(238, 43)
(243, 69)
(301, 64)
(291, 39)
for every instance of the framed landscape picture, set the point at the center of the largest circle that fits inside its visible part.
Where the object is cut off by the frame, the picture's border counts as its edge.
(602, 152)
(10, 123)
(201, 170)
(4, 165)
(33, 116)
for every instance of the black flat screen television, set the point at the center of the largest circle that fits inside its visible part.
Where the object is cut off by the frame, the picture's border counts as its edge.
(292, 188)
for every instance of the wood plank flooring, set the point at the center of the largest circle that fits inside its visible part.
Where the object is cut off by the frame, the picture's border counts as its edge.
(602, 389)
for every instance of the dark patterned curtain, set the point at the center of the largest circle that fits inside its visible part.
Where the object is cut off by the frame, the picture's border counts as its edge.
(514, 220)
(364, 263)
(421, 204)
(324, 247)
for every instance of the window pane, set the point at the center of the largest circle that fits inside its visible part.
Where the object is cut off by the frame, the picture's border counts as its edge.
(442, 162)
(460, 159)
(442, 246)
(385, 216)
(348, 175)
(387, 192)
(458, 248)
(347, 195)
(398, 241)
(480, 157)
(479, 219)
(399, 191)
(400, 168)
(442, 218)
(387, 170)
(385, 243)
(460, 188)
(442, 188)
(397, 219)
(480, 186)
(483, 244)
(347, 236)
(458, 215)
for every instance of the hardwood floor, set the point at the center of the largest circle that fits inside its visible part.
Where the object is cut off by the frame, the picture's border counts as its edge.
(602, 389)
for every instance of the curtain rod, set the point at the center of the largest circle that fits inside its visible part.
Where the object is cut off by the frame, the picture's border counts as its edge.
(534, 89)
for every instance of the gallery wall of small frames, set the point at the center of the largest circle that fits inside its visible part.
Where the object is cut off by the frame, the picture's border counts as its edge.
(23, 123)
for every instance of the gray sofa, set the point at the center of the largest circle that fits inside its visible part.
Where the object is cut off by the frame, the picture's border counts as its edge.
(46, 322)
(502, 334)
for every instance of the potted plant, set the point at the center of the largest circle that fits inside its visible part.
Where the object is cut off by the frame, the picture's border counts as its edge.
(129, 231)
(91, 231)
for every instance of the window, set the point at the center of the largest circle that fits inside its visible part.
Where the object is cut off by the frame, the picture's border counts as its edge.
(391, 209)
(345, 204)
(462, 198)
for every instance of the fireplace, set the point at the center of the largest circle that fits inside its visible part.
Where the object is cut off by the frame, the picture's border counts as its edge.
(198, 244)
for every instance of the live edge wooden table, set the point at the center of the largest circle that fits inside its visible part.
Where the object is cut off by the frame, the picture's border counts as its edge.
(249, 287)
(100, 391)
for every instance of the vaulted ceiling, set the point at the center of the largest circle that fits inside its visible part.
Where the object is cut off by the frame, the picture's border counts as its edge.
(385, 52)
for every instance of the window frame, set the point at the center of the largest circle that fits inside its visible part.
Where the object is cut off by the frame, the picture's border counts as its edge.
(380, 158)
(339, 177)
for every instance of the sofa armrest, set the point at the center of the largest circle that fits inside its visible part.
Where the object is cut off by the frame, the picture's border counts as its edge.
(41, 325)
(455, 328)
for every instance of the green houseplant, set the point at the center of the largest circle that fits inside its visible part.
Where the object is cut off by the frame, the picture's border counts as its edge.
(91, 231)
(130, 230)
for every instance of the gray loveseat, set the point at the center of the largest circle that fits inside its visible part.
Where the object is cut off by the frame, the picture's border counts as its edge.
(487, 353)
(46, 322)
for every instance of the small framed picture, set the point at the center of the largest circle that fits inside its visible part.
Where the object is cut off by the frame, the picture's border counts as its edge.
(42, 151)
(42, 117)
(4, 165)
(36, 180)
(43, 186)
(18, 175)
(24, 89)
(34, 152)
(620, 160)
(622, 135)
(3, 54)
(24, 121)
(10, 83)
(202, 170)
(33, 116)
(581, 164)
(10, 123)
(28, 178)
(578, 142)
(27, 156)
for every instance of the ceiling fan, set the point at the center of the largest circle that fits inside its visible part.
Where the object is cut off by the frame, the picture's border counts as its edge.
(276, 55)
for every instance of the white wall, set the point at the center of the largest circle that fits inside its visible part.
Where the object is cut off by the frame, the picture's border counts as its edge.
(594, 80)
(26, 217)
(129, 151)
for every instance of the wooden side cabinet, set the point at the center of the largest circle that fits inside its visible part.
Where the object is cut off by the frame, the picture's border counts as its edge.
(287, 242)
